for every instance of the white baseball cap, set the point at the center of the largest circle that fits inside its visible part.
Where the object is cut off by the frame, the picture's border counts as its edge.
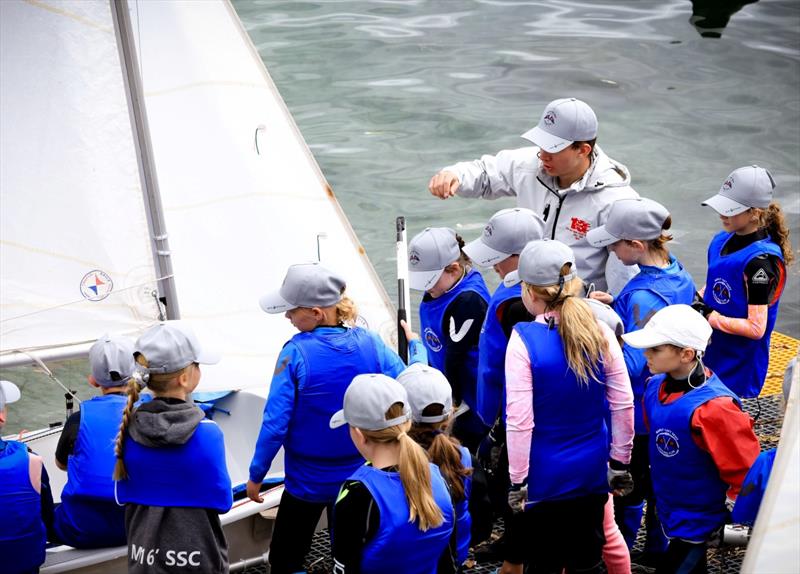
(305, 285)
(171, 346)
(746, 187)
(506, 234)
(678, 325)
(563, 122)
(366, 401)
(429, 252)
(427, 386)
(111, 360)
(637, 218)
(9, 393)
(540, 264)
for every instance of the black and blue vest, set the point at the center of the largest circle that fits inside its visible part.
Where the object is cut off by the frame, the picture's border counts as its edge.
(317, 458)
(690, 495)
(663, 289)
(399, 546)
(740, 363)
(436, 336)
(569, 446)
(193, 474)
(22, 532)
(491, 393)
(88, 516)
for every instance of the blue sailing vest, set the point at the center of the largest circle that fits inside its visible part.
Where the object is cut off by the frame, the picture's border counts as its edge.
(753, 487)
(436, 336)
(317, 458)
(491, 391)
(22, 532)
(188, 475)
(690, 495)
(569, 446)
(88, 516)
(663, 289)
(739, 362)
(399, 546)
(463, 518)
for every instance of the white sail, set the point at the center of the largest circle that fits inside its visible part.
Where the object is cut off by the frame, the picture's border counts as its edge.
(243, 198)
(75, 259)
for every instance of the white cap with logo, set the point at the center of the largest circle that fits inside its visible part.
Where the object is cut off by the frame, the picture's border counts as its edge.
(678, 325)
(637, 218)
(427, 386)
(746, 187)
(429, 252)
(506, 234)
(9, 393)
(368, 399)
(169, 347)
(540, 264)
(563, 122)
(305, 285)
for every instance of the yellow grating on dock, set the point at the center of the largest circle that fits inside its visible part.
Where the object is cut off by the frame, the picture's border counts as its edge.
(782, 349)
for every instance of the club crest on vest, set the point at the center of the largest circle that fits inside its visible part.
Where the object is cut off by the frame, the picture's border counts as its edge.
(721, 291)
(431, 340)
(667, 443)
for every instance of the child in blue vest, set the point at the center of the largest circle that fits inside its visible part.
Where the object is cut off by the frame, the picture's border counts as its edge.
(701, 442)
(394, 515)
(746, 276)
(564, 372)
(498, 247)
(88, 516)
(637, 232)
(451, 314)
(171, 472)
(311, 375)
(25, 499)
(431, 402)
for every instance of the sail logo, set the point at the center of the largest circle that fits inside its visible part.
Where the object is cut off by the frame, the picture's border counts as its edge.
(432, 340)
(721, 291)
(728, 185)
(549, 117)
(96, 285)
(667, 443)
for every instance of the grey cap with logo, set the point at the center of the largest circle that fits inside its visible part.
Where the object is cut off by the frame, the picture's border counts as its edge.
(429, 252)
(540, 264)
(367, 400)
(427, 386)
(563, 122)
(641, 219)
(506, 234)
(171, 346)
(746, 187)
(111, 360)
(305, 285)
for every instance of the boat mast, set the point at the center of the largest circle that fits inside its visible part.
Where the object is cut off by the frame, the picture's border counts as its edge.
(144, 153)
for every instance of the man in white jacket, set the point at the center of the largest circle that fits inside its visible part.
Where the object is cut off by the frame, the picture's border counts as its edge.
(565, 178)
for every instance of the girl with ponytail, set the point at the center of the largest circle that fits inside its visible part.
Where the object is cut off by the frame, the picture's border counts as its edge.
(394, 514)
(170, 469)
(746, 276)
(431, 404)
(567, 369)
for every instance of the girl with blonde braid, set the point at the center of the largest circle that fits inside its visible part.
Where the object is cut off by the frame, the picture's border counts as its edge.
(171, 471)
(394, 514)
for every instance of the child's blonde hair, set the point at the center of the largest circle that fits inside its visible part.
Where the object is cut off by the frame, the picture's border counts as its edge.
(414, 469)
(346, 311)
(584, 342)
(158, 383)
(773, 220)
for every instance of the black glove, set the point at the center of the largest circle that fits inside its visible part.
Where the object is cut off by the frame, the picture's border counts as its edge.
(619, 478)
(700, 306)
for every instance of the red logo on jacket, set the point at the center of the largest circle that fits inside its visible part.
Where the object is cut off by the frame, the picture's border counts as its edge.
(579, 227)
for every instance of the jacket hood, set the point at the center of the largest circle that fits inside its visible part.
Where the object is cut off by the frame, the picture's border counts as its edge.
(158, 423)
(604, 172)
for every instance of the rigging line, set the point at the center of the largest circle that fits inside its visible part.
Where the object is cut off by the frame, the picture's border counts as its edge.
(157, 279)
(50, 374)
(68, 14)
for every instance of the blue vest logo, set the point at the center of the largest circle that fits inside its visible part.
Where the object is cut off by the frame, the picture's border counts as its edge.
(431, 340)
(667, 443)
(721, 291)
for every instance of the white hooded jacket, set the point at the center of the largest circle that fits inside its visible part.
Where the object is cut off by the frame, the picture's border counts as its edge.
(568, 213)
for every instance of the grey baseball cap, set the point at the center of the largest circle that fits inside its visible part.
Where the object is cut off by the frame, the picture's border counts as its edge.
(540, 264)
(111, 360)
(9, 393)
(563, 122)
(427, 386)
(607, 315)
(506, 234)
(169, 347)
(366, 401)
(305, 285)
(678, 325)
(429, 252)
(636, 218)
(746, 187)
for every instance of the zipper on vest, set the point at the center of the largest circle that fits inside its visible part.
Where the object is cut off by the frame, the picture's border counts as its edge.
(547, 207)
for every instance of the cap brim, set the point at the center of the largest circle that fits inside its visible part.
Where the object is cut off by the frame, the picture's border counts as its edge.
(512, 278)
(337, 419)
(725, 205)
(483, 255)
(600, 237)
(645, 339)
(548, 142)
(423, 280)
(274, 303)
(10, 392)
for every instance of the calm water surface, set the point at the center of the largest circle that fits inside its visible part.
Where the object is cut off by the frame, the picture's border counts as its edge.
(385, 93)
